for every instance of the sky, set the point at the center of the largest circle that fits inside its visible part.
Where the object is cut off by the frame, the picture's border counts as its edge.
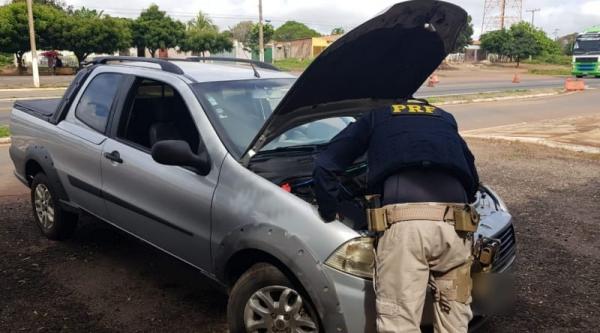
(323, 15)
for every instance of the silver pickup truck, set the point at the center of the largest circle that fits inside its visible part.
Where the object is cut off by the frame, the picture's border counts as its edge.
(211, 161)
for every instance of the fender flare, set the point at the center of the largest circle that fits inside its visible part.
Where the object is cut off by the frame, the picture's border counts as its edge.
(296, 256)
(42, 157)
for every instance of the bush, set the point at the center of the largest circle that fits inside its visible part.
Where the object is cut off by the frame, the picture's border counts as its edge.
(5, 59)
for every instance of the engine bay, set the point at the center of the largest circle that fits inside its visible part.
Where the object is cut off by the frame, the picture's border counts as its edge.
(293, 170)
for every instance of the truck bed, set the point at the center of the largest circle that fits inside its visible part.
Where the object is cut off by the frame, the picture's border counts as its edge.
(40, 108)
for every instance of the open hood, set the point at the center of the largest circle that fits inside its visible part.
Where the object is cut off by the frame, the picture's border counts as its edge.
(386, 58)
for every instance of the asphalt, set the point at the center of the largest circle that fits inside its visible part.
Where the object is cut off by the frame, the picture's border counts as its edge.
(450, 87)
(491, 114)
(447, 86)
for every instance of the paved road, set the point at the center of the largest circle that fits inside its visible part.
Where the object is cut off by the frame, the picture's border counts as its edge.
(451, 86)
(482, 115)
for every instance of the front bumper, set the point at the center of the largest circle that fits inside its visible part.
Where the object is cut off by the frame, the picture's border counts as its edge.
(357, 296)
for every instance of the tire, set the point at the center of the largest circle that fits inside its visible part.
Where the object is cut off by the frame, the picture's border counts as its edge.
(579, 76)
(263, 284)
(54, 222)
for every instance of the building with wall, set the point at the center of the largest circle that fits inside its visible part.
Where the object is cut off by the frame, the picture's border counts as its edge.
(306, 48)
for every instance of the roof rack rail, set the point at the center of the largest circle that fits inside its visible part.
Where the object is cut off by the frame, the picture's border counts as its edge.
(165, 65)
(259, 64)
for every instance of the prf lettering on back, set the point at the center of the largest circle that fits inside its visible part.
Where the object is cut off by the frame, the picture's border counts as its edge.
(412, 108)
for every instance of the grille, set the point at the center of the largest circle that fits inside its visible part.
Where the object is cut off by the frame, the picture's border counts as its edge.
(586, 67)
(508, 248)
(586, 59)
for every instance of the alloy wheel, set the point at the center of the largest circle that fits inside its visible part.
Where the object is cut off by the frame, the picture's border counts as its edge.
(44, 207)
(277, 309)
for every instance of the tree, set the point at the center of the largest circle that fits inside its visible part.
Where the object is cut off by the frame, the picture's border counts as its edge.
(522, 40)
(291, 30)
(241, 32)
(202, 35)
(14, 28)
(88, 31)
(498, 42)
(202, 22)
(465, 37)
(153, 29)
(338, 31)
(268, 32)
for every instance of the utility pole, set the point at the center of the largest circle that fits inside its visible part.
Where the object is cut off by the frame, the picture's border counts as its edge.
(261, 43)
(34, 63)
(532, 11)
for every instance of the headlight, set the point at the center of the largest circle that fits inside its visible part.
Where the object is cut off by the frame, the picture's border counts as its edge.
(354, 257)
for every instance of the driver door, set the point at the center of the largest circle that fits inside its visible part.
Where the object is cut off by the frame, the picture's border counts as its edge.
(167, 206)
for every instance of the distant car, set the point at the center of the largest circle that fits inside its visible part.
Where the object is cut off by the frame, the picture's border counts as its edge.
(211, 161)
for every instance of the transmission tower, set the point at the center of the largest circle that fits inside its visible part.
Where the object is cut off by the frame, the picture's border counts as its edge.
(500, 14)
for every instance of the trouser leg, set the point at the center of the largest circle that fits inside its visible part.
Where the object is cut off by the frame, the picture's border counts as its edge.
(452, 306)
(401, 279)
(457, 320)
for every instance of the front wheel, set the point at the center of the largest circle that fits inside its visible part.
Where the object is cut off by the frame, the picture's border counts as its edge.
(264, 300)
(579, 76)
(54, 222)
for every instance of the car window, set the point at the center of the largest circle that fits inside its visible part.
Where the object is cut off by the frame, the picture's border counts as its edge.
(95, 103)
(238, 109)
(157, 112)
(313, 133)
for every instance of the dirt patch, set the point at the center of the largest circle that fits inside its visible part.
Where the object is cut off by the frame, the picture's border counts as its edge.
(103, 280)
(575, 133)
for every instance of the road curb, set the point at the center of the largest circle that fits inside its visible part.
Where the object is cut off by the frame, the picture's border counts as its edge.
(539, 141)
(5, 141)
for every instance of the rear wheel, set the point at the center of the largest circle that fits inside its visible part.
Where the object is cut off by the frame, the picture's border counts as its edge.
(579, 76)
(54, 222)
(264, 300)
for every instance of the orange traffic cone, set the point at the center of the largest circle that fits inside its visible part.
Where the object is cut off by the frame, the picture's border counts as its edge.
(516, 78)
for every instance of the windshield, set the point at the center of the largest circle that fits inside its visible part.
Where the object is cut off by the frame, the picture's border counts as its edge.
(314, 133)
(586, 45)
(238, 109)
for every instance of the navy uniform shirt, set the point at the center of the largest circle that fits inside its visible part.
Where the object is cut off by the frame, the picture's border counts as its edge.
(412, 136)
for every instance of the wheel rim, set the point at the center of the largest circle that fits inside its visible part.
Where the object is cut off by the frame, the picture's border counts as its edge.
(44, 208)
(277, 309)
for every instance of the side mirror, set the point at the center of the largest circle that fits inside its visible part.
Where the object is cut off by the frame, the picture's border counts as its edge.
(179, 153)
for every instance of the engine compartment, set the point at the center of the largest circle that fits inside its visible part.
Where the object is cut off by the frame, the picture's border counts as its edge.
(293, 170)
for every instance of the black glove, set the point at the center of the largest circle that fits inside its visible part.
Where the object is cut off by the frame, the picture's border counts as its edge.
(327, 216)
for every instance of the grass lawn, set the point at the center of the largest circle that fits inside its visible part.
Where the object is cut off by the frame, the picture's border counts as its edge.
(4, 131)
(291, 64)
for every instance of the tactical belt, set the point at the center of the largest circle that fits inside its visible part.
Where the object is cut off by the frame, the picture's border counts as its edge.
(463, 217)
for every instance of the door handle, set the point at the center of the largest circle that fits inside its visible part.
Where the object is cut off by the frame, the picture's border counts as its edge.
(114, 156)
